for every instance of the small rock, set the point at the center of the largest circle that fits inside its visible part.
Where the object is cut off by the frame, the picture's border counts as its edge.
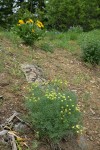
(32, 72)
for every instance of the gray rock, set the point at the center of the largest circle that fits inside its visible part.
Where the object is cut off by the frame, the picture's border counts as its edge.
(32, 72)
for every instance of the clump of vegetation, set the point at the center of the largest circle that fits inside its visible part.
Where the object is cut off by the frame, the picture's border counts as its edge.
(54, 112)
(76, 29)
(74, 32)
(46, 47)
(90, 45)
(29, 30)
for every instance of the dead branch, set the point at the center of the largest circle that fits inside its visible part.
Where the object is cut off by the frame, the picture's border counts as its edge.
(12, 117)
(3, 132)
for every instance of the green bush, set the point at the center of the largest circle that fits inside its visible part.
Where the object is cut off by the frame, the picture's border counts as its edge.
(54, 112)
(61, 14)
(90, 45)
(29, 30)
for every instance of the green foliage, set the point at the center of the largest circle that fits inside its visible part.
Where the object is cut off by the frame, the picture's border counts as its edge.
(46, 47)
(29, 30)
(53, 110)
(63, 14)
(90, 45)
(77, 29)
(7, 11)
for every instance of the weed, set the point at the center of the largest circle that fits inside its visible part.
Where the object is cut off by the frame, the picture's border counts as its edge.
(46, 47)
(53, 110)
(86, 96)
(90, 45)
(76, 29)
(80, 78)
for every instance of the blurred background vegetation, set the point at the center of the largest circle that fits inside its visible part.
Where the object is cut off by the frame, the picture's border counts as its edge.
(56, 14)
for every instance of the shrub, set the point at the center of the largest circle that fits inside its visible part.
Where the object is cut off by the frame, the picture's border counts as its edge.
(54, 112)
(29, 30)
(61, 14)
(90, 45)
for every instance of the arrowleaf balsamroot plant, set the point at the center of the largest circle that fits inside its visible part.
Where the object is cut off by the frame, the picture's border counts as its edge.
(29, 30)
(53, 110)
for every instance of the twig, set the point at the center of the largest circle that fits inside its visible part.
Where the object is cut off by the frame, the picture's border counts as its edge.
(24, 122)
(93, 112)
(12, 117)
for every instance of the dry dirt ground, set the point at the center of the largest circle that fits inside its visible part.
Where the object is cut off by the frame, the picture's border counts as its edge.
(82, 79)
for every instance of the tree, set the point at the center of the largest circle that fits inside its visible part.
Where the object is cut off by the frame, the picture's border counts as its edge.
(63, 14)
(7, 11)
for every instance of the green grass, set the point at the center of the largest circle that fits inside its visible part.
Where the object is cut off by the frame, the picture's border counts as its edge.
(13, 38)
(59, 40)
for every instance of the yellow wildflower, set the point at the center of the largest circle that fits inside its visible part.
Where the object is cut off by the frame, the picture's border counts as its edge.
(77, 109)
(77, 126)
(61, 112)
(21, 22)
(38, 25)
(31, 21)
(77, 131)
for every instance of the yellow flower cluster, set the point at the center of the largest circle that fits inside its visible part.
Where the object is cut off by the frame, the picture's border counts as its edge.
(59, 82)
(77, 108)
(39, 24)
(78, 128)
(29, 21)
(64, 111)
(51, 95)
(20, 22)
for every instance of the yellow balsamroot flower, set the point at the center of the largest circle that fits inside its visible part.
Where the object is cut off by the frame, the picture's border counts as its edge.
(30, 20)
(40, 24)
(21, 22)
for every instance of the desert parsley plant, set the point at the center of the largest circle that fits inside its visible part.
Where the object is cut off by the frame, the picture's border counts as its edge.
(29, 30)
(53, 111)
